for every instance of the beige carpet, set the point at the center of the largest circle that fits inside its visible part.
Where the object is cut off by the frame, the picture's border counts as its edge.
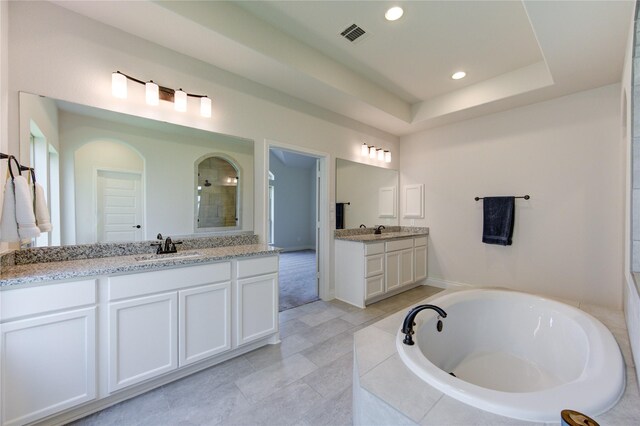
(298, 284)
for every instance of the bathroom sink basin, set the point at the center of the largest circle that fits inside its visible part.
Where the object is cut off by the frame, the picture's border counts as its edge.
(168, 256)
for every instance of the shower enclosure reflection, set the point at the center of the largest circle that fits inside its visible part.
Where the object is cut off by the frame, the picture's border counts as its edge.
(216, 194)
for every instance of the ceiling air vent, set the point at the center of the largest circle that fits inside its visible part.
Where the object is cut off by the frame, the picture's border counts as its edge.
(353, 32)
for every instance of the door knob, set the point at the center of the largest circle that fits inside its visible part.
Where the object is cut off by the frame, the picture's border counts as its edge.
(137, 226)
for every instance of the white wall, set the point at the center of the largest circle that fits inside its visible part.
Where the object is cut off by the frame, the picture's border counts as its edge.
(63, 55)
(44, 113)
(359, 184)
(568, 156)
(293, 205)
(169, 173)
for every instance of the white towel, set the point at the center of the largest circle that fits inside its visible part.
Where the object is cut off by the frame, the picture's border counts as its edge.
(42, 211)
(25, 217)
(8, 224)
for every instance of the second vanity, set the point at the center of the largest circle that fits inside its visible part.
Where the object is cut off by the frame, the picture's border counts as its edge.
(372, 267)
(80, 335)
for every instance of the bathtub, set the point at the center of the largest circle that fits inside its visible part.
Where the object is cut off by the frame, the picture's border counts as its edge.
(516, 354)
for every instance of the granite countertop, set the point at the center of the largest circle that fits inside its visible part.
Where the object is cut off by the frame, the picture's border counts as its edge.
(385, 236)
(50, 271)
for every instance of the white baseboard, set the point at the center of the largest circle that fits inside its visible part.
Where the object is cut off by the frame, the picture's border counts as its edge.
(446, 284)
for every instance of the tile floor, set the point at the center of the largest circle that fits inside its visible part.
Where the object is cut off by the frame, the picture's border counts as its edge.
(305, 380)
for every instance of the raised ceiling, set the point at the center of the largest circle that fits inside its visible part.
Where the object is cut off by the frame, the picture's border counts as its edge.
(397, 77)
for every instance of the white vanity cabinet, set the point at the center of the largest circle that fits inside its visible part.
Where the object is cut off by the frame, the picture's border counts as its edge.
(48, 356)
(399, 260)
(256, 299)
(367, 271)
(148, 335)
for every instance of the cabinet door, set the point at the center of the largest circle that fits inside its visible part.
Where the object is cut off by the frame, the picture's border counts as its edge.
(420, 263)
(204, 322)
(142, 339)
(48, 364)
(374, 286)
(406, 267)
(392, 270)
(257, 308)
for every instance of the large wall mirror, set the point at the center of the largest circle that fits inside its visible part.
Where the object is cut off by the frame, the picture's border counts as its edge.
(112, 177)
(366, 194)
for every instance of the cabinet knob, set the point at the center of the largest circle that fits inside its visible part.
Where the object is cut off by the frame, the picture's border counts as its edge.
(137, 226)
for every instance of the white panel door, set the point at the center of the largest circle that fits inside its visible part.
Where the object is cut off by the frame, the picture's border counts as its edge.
(143, 339)
(48, 364)
(257, 307)
(119, 209)
(205, 322)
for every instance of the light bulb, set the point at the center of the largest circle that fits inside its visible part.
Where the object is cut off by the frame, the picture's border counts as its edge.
(152, 93)
(387, 156)
(180, 100)
(380, 154)
(365, 149)
(119, 85)
(372, 152)
(205, 107)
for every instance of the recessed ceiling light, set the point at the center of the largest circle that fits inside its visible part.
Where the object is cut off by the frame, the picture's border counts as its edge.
(458, 75)
(394, 13)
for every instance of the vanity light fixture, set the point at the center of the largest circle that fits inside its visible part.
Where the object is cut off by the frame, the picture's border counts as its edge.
(364, 149)
(155, 92)
(458, 75)
(387, 156)
(394, 13)
(374, 153)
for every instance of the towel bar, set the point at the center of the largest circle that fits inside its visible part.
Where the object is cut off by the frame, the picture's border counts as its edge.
(526, 197)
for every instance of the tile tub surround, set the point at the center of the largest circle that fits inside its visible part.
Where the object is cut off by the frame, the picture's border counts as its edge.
(387, 392)
(304, 380)
(69, 269)
(388, 233)
(93, 251)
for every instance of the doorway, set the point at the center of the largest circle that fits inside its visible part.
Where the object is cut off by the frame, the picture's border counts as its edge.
(119, 206)
(293, 224)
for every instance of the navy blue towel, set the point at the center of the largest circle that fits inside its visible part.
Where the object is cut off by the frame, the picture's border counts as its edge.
(339, 215)
(499, 213)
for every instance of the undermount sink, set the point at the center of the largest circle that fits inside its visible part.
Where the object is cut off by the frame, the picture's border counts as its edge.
(168, 256)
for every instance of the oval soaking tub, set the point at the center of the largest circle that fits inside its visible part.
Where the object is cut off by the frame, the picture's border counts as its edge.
(516, 354)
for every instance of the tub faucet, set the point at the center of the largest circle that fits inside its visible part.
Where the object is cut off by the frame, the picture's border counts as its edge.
(379, 229)
(407, 325)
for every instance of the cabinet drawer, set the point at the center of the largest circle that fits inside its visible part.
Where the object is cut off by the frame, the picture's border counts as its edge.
(374, 286)
(131, 285)
(420, 241)
(373, 265)
(45, 298)
(399, 244)
(257, 266)
(376, 248)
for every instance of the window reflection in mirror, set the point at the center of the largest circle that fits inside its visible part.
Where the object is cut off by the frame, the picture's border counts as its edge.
(217, 190)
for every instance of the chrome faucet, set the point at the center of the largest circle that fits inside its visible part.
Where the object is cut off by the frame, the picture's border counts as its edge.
(379, 229)
(407, 325)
